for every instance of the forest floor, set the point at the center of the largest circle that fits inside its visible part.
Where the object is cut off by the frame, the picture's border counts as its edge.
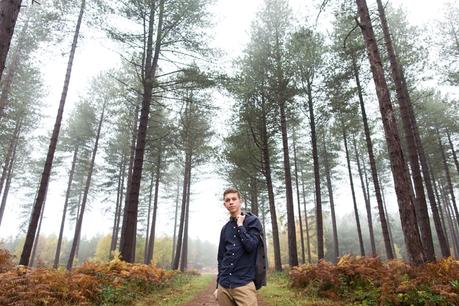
(198, 291)
(206, 297)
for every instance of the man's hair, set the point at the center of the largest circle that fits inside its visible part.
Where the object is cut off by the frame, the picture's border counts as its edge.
(231, 190)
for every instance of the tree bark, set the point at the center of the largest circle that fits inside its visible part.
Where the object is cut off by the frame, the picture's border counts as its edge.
(147, 234)
(76, 237)
(175, 220)
(52, 148)
(351, 181)
(332, 202)
(315, 158)
(151, 243)
(184, 255)
(398, 166)
(129, 174)
(374, 171)
(297, 187)
(388, 223)
(119, 204)
(8, 168)
(306, 222)
(37, 238)
(9, 153)
(128, 246)
(404, 102)
(426, 172)
(186, 182)
(8, 182)
(64, 211)
(366, 198)
(266, 162)
(448, 177)
(175, 264)
(9, 11)
(7, 80)
(449, 216)
(291, 229)
(254, 195)
(456, 162)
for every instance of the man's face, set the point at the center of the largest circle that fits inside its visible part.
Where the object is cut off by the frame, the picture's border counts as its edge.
(233, 203)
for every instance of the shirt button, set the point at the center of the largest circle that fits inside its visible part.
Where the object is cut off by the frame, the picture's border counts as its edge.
(234, 235)
(234, 227)
(234, 244)
(231, 274)
(233, 254)
(231, 263)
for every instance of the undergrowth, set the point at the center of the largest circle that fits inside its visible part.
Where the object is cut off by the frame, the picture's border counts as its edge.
(370, 281)
(103, 283)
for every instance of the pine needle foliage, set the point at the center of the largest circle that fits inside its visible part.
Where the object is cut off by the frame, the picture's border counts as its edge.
(371, 281)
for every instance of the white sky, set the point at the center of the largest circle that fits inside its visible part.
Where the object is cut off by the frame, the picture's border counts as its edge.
(233, 18)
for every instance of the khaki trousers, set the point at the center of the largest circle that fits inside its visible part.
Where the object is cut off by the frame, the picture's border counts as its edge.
(241, 296)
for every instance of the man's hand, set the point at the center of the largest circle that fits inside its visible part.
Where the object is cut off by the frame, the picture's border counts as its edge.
(215, 293)
(240, 219)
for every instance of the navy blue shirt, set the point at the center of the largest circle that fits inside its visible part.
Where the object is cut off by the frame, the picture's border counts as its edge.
(237, 252)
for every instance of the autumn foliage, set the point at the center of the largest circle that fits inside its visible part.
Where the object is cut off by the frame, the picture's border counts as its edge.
(370, 281)
(114, 282)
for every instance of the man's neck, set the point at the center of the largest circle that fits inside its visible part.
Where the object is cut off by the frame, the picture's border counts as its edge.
(237, 213)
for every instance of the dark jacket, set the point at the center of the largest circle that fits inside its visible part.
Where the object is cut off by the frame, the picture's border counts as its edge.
(242, 254)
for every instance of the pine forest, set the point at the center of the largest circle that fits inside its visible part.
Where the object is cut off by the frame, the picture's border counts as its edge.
(123, 122)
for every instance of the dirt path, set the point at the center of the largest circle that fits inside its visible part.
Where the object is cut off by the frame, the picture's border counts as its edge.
(206, 297)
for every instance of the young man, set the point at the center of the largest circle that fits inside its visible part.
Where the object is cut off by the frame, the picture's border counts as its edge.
(240, 239)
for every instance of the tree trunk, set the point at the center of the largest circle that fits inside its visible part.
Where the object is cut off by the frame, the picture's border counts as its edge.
(254, 195)
(178, 250)
(291, 229)
(351, 181)
(404, 102)
(7, 80)
(52, 148)
(147, 237)
(374, 171)
(9, 11)
(332, 202)
(9, 153)
(306, 222)
(129, 174)
(315, 158)
(426, 171)
(128, 246)
(443, 223)
(388, 223)
(449, 216)
(64, 212)
(76, 236)
(184, 259)
(9, 164)
(366, 199)
(174, 238)
(151, 243)
(119, 201)
(399, 171)
(448, 177)
(8, 182)
(303, 261)
(456, 162)
(37, 238)
(266, 161)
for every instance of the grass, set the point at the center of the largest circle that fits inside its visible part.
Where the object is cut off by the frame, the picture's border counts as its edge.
(278, 293)
(184, 288)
